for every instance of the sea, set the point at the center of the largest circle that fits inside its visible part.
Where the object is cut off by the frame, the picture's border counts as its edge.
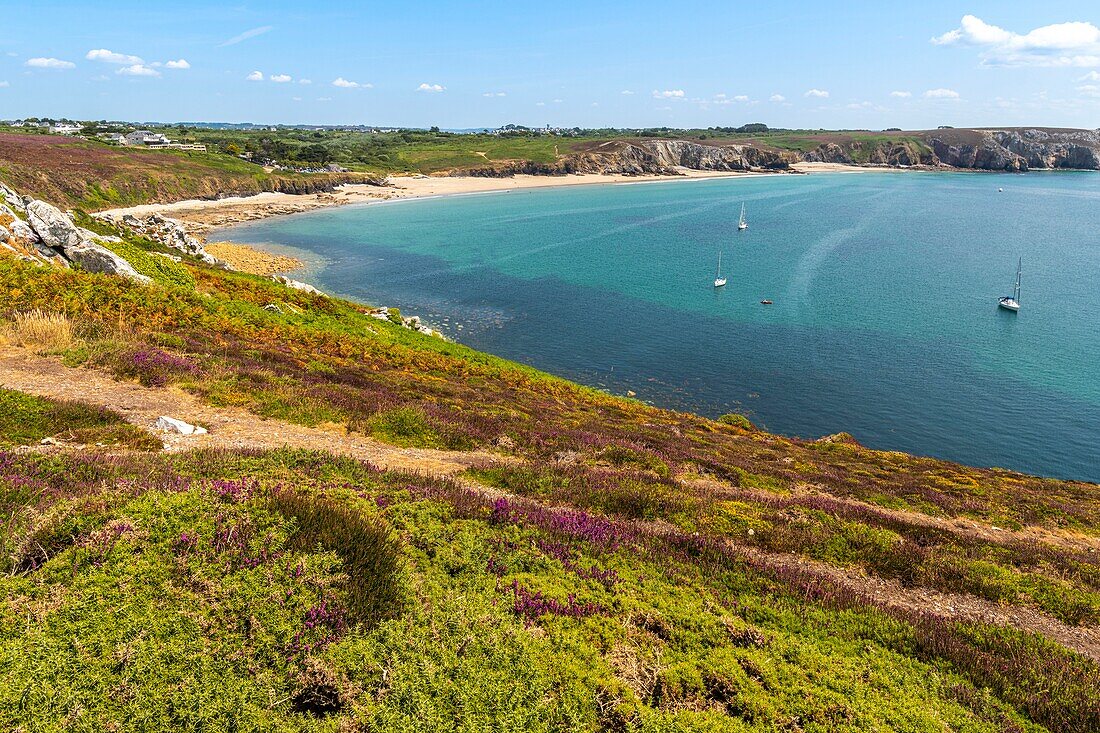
(884, 286)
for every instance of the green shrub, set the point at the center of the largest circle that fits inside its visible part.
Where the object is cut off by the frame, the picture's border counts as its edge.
(368, 550)
(405, 426)
(159, 267)
(737, 420)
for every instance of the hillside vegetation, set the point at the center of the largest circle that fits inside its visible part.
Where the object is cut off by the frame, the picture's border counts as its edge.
(92, 175)
(606, 566)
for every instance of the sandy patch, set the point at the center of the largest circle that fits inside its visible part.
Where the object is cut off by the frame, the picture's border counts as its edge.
(251, 260)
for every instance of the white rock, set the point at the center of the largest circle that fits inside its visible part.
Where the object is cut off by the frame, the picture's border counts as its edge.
(96, 258)
(52, 226)
(22, 233)
(296, 285)
(172, 425)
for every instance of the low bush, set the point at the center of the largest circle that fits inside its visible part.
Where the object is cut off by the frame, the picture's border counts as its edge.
(368, 550)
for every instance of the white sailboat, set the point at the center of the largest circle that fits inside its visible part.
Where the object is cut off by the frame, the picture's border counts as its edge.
(1012, 302)
(742, 225)
(719, 281)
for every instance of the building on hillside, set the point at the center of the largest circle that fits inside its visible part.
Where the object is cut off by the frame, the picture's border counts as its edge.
(115, 138)
(158, 141)
(146, 138)
(65, 129)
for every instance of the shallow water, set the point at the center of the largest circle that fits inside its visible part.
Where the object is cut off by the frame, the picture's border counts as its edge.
(885, 285)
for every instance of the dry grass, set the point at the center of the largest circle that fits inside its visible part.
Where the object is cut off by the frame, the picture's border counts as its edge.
(40, 330)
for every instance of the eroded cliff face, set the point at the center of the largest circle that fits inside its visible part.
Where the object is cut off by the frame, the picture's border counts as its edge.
(1020, 150)
(995, 150)
(649, 157)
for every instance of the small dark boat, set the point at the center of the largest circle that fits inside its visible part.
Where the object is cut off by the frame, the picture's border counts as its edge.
(765, 302)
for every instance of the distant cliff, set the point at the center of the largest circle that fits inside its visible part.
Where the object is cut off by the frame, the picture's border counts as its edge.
(1015, 149)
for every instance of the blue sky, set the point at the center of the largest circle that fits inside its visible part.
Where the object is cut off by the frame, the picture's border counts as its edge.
(788, 64)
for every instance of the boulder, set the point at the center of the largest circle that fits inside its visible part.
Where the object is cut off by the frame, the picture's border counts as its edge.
(53, 227)
(173, 425)
(14, 200)
(22, 233)
(96, 258)
(296, 285)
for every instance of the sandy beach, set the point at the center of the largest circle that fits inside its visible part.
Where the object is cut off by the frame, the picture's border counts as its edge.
(203, 215)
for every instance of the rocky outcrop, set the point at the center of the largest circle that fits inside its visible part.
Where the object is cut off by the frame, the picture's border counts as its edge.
(54, 228)
(168, 232)
(50, 237)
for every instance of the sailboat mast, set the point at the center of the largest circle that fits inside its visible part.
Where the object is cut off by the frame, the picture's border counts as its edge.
(1019, 269)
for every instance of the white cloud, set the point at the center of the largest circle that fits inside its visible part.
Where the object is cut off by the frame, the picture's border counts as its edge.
(627, 92)
(817, 93)
(668, 94)
(252, 33)
(280, 78)
(177, 64)
(255, 76)
(941, 94)
(869, 106)
(777, 98)
(558, 101)
(741, 98)
(1091, 76)
(4, 85)
(433, 88)
(138, 70)
(305, 81)
(1061, 44)
(296, 99)
(110, 57)
(324, 99)
(49, 63)
(540, 104)
(595, 104)
(901, 95)
(347, 84)
(1089, 90)
(495, 94)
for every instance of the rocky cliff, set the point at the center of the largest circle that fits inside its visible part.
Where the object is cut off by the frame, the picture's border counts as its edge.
(979, 149)
(35, 231)
(648, 157)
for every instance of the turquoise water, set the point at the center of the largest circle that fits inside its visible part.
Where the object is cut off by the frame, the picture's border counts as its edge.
(885, 286)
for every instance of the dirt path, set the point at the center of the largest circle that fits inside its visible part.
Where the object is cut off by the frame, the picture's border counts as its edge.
(959, 526)
(889, 594)
(229, 427)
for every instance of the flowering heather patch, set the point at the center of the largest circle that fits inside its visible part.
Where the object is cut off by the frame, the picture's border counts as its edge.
(233, 491)
(157, 368)
(563, 554)
(531, 605)
(598, 531)
(186, 543)
(322, 624)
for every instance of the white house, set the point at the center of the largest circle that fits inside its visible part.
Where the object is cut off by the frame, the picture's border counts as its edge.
(65, 129)
(146, 138)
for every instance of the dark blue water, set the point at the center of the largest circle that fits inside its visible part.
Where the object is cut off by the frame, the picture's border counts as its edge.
(884, 321)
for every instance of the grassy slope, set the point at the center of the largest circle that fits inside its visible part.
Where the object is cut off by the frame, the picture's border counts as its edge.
(202, 590)
(91, 175)
(25, 419)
